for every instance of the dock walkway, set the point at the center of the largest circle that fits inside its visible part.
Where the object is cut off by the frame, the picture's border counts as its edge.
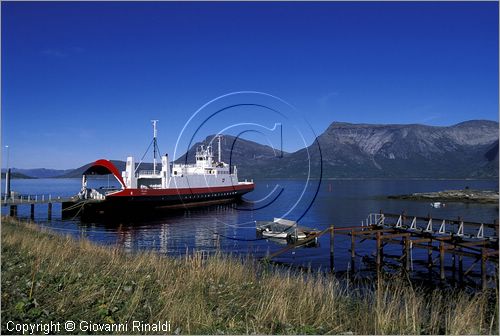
(32, 200)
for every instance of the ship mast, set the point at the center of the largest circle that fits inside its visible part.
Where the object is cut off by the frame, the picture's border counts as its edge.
(155, 145)
(219, 136)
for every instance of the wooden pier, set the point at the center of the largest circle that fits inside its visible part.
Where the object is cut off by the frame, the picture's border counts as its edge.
(31, 201)
(456, 237)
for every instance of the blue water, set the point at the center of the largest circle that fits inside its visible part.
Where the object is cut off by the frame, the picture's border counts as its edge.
(232, 227)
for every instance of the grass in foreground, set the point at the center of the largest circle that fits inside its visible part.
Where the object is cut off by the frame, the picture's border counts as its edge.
(46, 277)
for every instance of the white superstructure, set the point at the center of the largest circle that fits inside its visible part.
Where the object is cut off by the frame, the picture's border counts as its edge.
(205, 172)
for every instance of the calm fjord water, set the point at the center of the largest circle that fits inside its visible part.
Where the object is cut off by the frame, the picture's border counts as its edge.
(232, 227)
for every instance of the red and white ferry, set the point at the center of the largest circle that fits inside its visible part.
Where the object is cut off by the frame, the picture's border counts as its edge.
(207, 181)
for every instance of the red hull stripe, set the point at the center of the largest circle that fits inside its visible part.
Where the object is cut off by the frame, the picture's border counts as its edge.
(183, 191)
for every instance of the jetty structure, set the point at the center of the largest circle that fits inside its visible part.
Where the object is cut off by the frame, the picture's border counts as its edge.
(441, 238)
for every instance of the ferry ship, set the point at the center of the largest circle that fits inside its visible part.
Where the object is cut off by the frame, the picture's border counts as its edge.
(206, 182)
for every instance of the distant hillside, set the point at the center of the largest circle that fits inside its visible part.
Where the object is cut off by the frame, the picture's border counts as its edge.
(466, 150)
(41, 172)
(120, 165)
(17, 176)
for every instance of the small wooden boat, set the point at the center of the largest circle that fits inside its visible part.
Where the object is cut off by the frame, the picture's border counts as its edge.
(437, 205)
(280, 228)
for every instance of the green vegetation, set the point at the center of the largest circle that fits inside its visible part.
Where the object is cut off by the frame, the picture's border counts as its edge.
(466, 195)
(47, 277)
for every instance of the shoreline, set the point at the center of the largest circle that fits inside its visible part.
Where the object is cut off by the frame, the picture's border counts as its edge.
(304, 178)
(461, 196)
(58, 278)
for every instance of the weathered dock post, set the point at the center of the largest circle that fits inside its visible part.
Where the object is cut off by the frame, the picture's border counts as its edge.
(407, 253)
(453, 263)
(49, 211)
(483, 268)
(379, 253)
(13, 211)
(353, 250)
(32, 211)
(332, 236)
(460, 268)
(429, 255)
(441, 260)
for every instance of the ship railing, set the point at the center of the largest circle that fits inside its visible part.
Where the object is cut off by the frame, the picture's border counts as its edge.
(181, 165)
(149, 172)
(16, 198)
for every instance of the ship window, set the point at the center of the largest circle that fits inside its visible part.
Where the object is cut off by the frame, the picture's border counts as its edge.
(175, 172)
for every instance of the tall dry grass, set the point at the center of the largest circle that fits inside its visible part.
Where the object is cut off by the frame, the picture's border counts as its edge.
(51, 277)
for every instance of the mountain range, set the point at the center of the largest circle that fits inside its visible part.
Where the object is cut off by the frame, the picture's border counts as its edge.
(39, 172)
(465, 150)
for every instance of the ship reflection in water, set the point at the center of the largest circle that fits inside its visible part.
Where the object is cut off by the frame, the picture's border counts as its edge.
(170, 232)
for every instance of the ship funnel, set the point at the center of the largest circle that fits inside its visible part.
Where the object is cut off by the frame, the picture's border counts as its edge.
(165, 171)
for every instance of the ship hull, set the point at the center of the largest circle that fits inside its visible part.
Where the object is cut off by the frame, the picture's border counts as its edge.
(143, 201)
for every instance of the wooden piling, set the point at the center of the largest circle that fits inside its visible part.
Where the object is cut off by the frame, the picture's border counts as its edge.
(460, 268)
(429, 259)
(441, 260)
(429, 254)
(407, 253)
(483, 269)
(353, 249)
(13, 211)
(49, 211)
(332, 236)
(453, 265)
(32, 211)
(381, 249)
(379, 253)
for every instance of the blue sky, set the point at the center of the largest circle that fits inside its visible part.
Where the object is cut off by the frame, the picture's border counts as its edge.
(81, 81)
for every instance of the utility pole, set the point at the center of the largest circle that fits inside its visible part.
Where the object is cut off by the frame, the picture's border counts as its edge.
(7, 175)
